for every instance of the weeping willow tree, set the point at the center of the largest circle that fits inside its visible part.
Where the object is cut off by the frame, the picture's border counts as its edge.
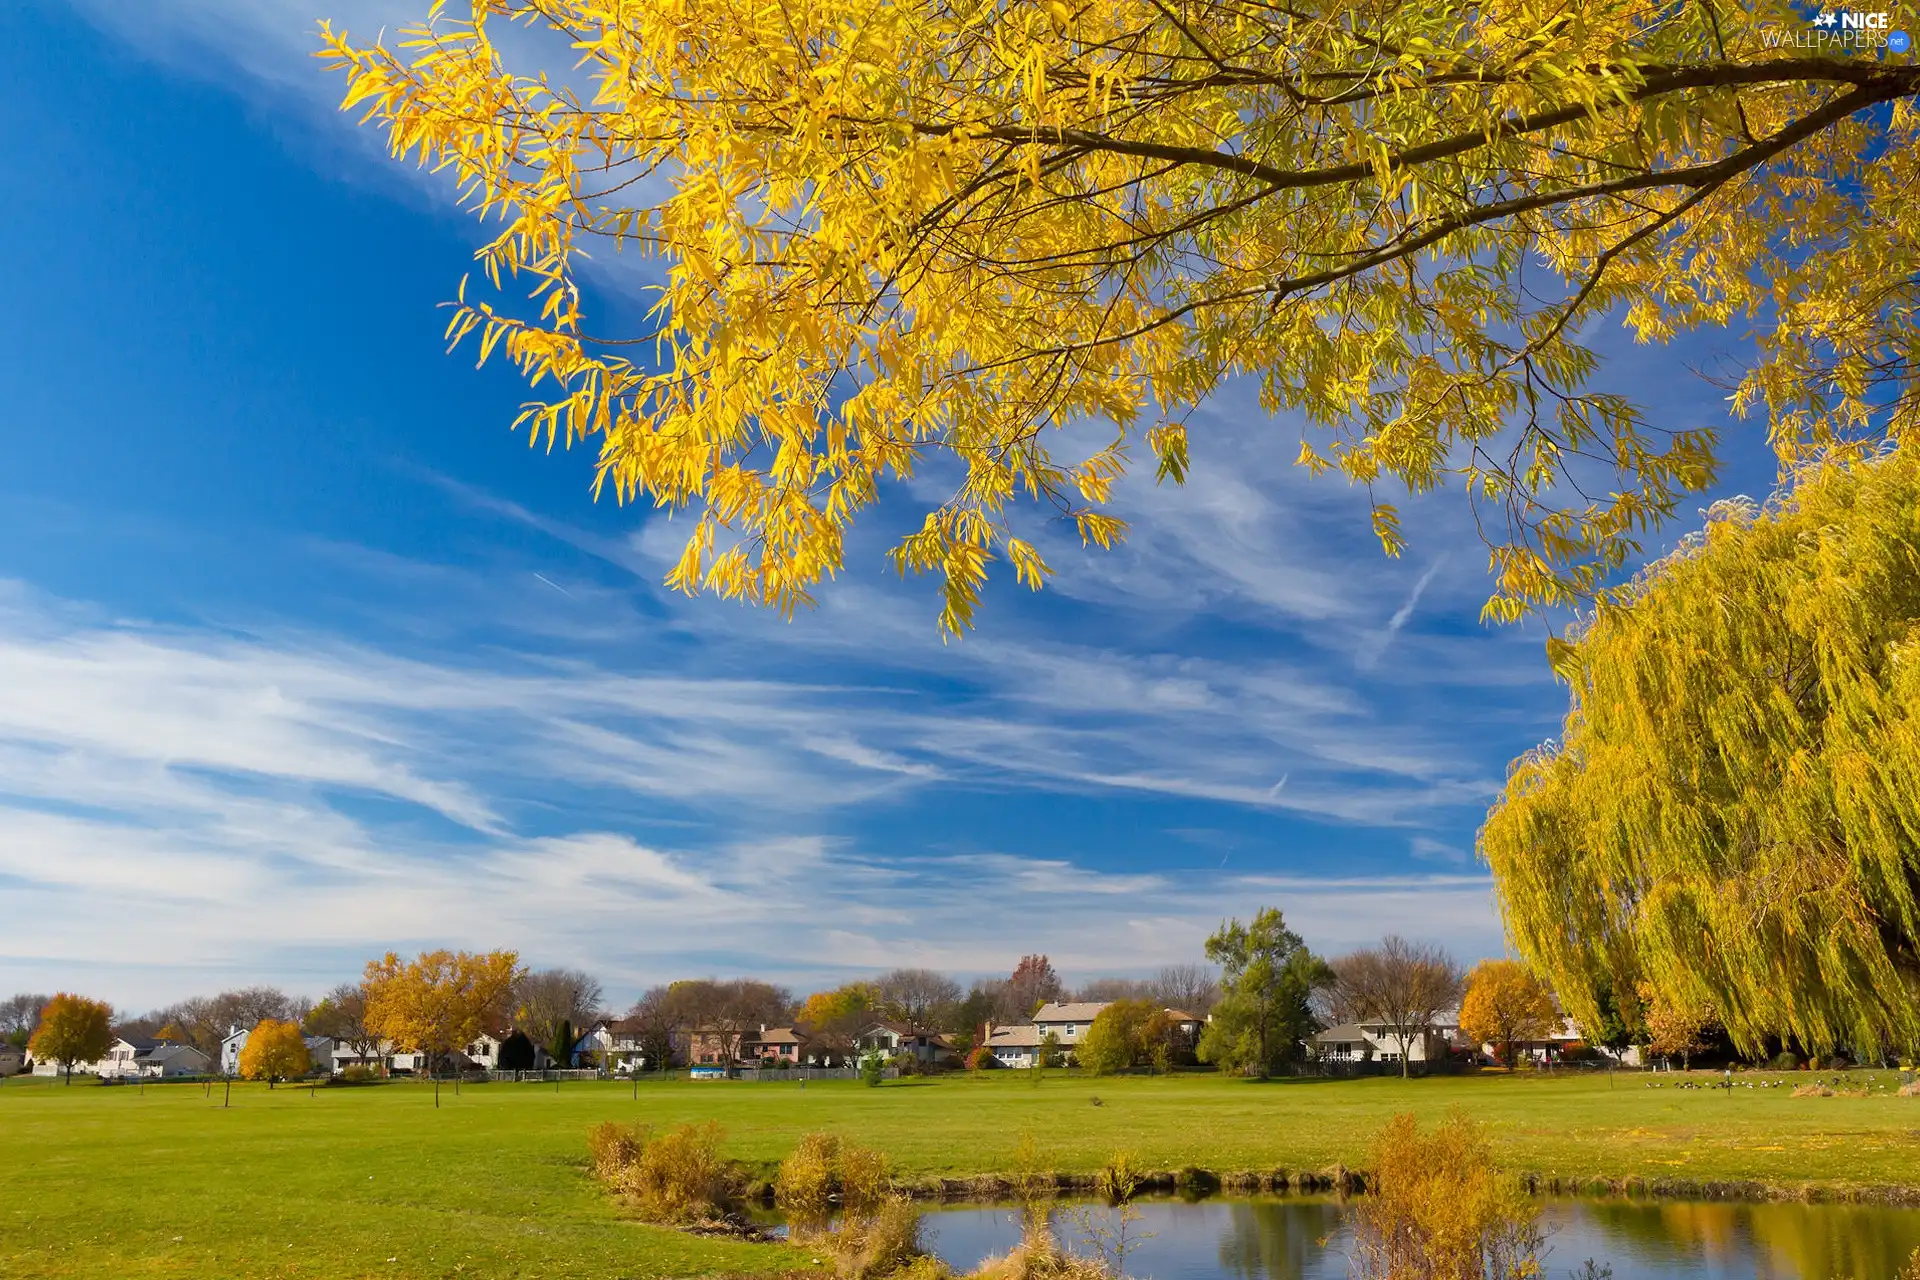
(1732, 814)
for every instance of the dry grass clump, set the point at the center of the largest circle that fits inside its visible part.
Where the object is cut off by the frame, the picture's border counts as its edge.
(1438, 1209)
(884, 1241)
(676, 1177)
(1911, 1091)
(878, 1232)
(824, 1174)
(1039, 1256)
(1827, 1091)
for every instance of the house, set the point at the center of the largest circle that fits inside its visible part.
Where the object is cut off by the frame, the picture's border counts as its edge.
(322, 1051)
(121, 1056)
(1373, 1042)
(592, 1048)
(712, 1046)
(13, 1059)
(1017, 1046)
(893, 1038)
(1069, 1021)
(781, 1044)
(137, 1057)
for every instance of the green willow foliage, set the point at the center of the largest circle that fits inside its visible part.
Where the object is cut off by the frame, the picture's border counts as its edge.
(1733, 811)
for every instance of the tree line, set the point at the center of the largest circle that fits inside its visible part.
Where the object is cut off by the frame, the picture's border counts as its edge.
(1261, 995)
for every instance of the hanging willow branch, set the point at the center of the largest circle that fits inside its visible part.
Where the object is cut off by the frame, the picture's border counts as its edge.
(1733, 810)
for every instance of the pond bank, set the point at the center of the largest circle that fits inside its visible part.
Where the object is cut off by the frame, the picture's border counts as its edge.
(1340, 1180)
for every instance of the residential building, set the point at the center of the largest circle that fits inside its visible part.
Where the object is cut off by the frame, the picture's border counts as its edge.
(13, 1059)
(1068, 1021)
(133, 1057)
(1016, 1046)
(322, 1051)
(783, 1044)
(891, 1038)
(1373, 1042)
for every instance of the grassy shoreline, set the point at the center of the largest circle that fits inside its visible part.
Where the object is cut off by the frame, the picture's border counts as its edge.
(337, 1183)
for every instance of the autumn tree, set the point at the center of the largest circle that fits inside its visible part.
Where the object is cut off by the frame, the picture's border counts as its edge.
(1032, 984)
(1122, 1035)
(274, 1051)
(341, 1016)
(19, 1015)
(1403, 986)
(1505, 1003)
(72, 1029)
(438, 1002)
(885, 232)
(918, 997)
(1267, 977)
(1729, 814)
(1677, 1027)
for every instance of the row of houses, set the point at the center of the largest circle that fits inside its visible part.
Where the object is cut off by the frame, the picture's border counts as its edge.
(616, 1044)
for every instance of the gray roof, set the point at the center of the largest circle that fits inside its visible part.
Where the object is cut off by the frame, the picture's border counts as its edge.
(1077, 1011)
(1027, 1037)
(1345, 1033)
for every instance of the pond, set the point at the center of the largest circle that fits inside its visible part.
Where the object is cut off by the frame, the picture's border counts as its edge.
(1302, 1238)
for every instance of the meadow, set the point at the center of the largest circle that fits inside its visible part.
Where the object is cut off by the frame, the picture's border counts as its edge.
(374, 1181)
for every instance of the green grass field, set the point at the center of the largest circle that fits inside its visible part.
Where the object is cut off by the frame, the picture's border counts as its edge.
(376, 1182)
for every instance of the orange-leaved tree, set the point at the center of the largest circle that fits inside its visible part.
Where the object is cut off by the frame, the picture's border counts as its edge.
(440, 1001)
(1506, 1004)
(72, 1029)
(274, 1051)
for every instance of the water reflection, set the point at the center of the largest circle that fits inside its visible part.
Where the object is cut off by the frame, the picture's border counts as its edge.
(1306, 1239)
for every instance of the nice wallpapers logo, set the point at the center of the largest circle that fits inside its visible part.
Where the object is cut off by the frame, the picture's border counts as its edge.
(1845, 31)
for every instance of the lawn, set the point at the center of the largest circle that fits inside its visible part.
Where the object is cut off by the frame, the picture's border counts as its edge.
(376, 1182)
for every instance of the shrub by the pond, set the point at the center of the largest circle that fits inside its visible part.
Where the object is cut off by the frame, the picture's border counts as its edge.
(1438, 1209)
(674, 1177)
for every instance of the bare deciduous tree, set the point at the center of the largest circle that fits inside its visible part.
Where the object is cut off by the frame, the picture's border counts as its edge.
(1190, 988)
(917, 996)
(547, 997)
(1403, 986)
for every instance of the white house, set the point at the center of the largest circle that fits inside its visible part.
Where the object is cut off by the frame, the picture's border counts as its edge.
(892, 1038)
(132, 1057)
(322, 1051)
(1017, 1046)
(1374, 1042)
(1068, 1021)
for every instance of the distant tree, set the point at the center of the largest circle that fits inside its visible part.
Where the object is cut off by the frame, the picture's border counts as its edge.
(1190, 988)
(981, 1006)
(1677, 1027)
(873, 1068)
(438, 1002)
(72, 1029)
(1122, 1034)
(516, 1052)
(1049, 1053)
(274, 1051)
(560, 1041)
(1505, 1003)
(341, 1016)
(19, 1015)
(1032, 984)
(917, 996)
(1401, 985)
(250, 1006)
(653, 1026)
(1621, 1022)
(171, 1033)
(726, 1011)
(1103, 990)
(1267, 977)
(546, 996)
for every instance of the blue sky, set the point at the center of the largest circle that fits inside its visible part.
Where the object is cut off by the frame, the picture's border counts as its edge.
(306, 656)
